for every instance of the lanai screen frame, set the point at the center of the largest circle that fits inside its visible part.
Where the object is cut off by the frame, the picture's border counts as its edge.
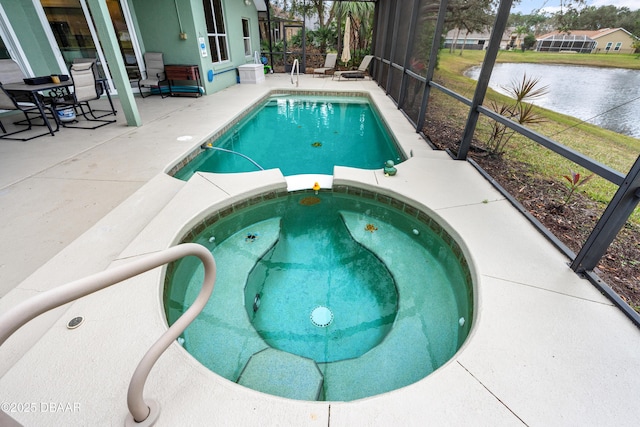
(398, 71)
(406, 39)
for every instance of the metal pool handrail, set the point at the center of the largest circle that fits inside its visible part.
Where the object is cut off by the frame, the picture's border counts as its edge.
(16, 317)
(295, 67)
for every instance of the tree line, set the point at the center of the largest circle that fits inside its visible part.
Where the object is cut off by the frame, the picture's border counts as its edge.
(587, 18)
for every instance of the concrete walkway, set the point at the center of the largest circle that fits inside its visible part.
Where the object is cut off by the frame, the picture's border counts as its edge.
(546, 348)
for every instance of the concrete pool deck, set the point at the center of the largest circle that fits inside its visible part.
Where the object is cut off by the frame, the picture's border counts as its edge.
(546, 348)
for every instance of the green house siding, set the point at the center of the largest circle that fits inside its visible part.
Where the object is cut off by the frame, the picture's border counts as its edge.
(159, 30)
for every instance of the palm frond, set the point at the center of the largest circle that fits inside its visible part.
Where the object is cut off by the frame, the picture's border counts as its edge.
(526, 89)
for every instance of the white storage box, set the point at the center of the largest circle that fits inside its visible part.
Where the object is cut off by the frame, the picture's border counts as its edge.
(251, 73)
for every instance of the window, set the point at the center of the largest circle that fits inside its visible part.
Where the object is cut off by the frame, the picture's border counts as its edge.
(216, 30)
(246, 37)
(608, 46)
(618, 45)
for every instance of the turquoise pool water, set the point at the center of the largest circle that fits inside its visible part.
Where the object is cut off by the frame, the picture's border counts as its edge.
(317, 263)
(301, 135)
(325, 297)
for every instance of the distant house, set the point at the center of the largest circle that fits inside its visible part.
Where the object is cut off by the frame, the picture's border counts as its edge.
(606, 40)
(479, 40)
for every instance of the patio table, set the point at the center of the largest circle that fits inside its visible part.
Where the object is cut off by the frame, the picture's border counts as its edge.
(33, 90)
(60, 89)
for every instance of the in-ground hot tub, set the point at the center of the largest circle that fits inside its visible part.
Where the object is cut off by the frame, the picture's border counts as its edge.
(319, 292)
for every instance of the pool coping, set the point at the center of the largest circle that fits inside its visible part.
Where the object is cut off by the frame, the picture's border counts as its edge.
(432, 221)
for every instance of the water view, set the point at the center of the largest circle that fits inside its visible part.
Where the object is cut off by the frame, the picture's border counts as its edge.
(605, 97)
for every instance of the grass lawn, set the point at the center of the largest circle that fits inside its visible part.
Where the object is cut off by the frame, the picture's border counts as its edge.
(609, 148)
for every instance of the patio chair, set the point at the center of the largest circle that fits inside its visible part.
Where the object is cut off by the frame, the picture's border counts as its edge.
(329, 64)
(10, 72)
(100, 84)
(154, 64)
(360, 73)
(94, 69)
(85, 89)
(30, 111)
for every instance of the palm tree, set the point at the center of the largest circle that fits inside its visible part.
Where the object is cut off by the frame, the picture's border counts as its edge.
(362, 14)
(520, 30)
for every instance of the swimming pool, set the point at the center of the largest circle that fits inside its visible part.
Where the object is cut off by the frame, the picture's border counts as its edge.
(321, 292)
(300, 134)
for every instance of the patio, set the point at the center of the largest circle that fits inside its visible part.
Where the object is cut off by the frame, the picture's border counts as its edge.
(546, 349)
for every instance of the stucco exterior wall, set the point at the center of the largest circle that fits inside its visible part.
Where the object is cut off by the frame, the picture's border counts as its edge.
(159, 24)
(618, 36)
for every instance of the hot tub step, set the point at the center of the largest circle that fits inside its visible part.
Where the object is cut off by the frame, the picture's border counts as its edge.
(282, 374)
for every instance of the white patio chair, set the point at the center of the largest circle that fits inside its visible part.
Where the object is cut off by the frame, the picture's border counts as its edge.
(85, 89)
(360, 73)
(329, 64)
(154, 64)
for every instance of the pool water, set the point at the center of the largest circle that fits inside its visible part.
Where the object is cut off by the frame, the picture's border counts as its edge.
(317, 268)
(318, 293)
(301, 135)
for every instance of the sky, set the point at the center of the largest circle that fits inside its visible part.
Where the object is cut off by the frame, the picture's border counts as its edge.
(527, 6)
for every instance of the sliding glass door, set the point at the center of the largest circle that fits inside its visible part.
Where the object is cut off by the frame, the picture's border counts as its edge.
(76, 37)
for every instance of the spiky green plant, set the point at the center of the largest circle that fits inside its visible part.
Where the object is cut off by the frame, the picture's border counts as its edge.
(526, 89)
(519, 110)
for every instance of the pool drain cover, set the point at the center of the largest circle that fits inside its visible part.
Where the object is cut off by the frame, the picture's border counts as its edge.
(321, 316)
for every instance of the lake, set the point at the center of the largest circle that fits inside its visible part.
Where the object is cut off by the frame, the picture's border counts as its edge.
(605, 97)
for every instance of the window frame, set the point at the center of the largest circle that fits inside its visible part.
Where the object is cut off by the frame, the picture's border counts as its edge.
(617, 46)
(246, 36)
(218, 39)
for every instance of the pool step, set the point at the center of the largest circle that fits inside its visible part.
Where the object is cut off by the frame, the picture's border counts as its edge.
(223, 332)
(414, 347)
(282, 374)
